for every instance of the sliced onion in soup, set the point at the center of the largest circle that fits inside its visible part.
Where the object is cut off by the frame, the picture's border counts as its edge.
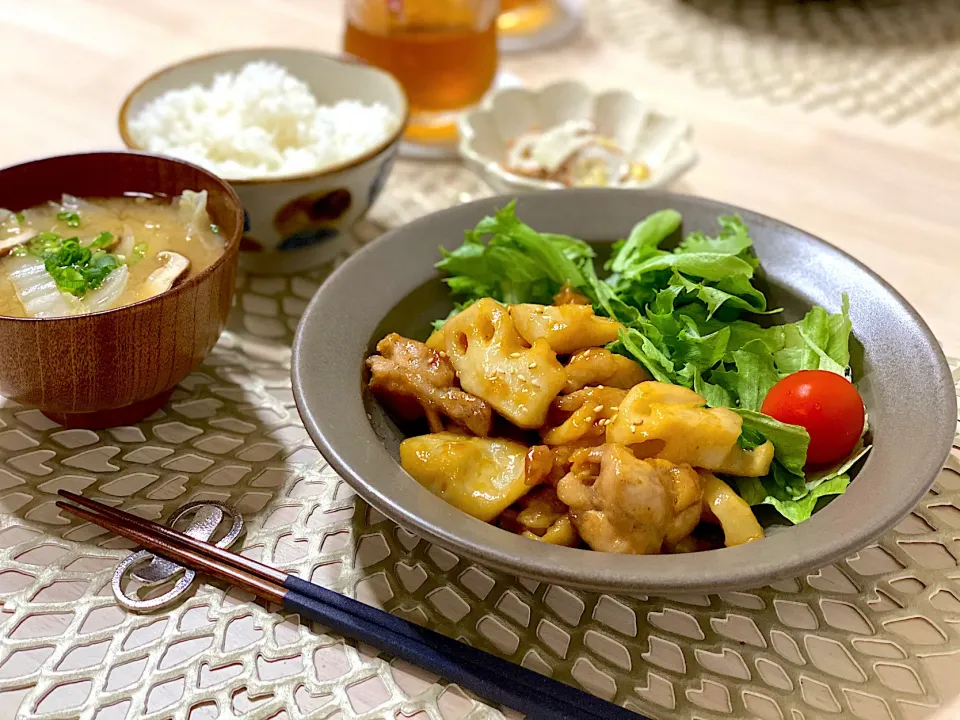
(109, 292)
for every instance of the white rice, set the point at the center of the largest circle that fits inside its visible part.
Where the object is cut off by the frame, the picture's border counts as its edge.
(259, 122)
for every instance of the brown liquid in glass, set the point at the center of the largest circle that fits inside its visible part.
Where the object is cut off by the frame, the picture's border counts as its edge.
(442, 70)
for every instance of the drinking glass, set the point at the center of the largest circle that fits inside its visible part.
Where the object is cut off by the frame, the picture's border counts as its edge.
(443, 52)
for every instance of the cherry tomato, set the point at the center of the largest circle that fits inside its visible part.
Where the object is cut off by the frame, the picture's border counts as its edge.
(826, 404)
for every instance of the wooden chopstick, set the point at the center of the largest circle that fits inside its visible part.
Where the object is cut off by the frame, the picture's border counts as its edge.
(511, 672)
(489, 676)
(176, 537)
(533, 702)
(186, 556)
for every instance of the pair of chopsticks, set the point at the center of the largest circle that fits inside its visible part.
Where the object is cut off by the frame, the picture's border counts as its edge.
(493, 678)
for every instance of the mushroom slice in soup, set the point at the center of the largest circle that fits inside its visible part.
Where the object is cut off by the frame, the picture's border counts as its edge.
(175, 266)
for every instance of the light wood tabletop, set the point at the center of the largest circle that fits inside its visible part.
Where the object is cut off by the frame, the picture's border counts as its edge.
(888, 195)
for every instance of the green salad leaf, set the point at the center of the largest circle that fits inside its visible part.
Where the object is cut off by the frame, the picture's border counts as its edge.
(505, 259)
(758, 491)
(644, 240)
(755, 374)
(790, 442)
(691, 316)
(795, 497)
(640, 347)
(716, 270)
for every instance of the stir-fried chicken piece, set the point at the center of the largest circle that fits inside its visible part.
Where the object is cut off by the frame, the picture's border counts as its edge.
(673, 423)
(538, 464)
(569, 296)
(494, 362)
(585, 415)
(539, 515)
(599, 366)
(566, 328)
(415, 380)
(547, 465)
(624, 505)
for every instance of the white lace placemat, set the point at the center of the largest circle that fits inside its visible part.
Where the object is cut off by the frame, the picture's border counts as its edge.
(871, 637)
(890, 59)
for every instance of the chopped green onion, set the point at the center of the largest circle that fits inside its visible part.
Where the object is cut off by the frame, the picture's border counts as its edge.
(72, 219)
(43, 242)
(99, 266)
(19, 251)
(74, 268)
(103, 240)
(70, 280)
(214, 228)
(139, 252)
(20, 217)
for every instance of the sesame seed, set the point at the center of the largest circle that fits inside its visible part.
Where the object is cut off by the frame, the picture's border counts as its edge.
(522, 378)
(614, 417)
(514, 356)
(633, 428)
(598, 408)
(532, 365)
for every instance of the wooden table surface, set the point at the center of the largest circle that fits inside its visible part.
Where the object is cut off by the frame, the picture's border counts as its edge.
(889, 195)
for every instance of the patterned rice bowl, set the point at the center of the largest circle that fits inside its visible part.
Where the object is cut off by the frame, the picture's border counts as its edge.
(295, 222)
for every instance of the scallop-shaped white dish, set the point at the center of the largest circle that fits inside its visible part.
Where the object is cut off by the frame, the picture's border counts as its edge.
(662, 142)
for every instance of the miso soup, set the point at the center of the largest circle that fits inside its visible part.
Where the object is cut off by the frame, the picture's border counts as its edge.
(80, 256)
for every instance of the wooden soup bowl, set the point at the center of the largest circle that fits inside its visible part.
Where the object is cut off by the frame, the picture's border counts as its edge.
(118, 366)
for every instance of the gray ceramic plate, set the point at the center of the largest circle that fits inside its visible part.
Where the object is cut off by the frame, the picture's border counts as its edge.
(391, 285)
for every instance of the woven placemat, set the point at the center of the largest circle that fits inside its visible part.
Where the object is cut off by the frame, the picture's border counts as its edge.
(872, 637)
(891, 59)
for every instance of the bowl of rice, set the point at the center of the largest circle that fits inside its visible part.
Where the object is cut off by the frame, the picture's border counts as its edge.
(306, 139)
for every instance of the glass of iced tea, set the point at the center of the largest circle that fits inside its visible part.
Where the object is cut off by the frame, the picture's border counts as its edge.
(443, 52)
